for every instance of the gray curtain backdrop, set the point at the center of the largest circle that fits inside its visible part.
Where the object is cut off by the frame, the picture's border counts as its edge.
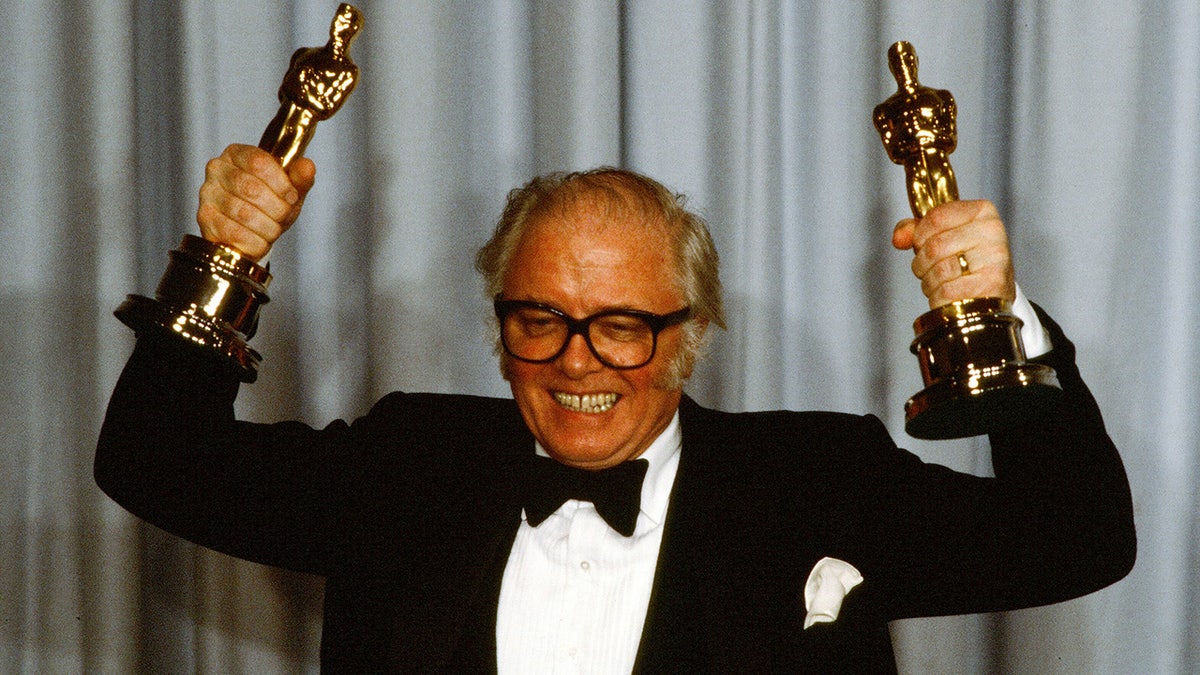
(1079, 119)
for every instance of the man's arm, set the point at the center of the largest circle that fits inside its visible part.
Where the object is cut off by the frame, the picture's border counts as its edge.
(171, 450)
(1057, 520)
(172, 453)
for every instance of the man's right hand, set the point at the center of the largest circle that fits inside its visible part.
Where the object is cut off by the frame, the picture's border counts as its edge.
(248, 199)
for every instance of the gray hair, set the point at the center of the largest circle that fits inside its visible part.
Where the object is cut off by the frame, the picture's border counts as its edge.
(696, 260)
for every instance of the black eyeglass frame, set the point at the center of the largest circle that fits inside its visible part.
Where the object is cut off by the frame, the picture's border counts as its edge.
(657, 323)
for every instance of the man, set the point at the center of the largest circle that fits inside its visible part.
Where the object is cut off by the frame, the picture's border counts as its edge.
(759, 542)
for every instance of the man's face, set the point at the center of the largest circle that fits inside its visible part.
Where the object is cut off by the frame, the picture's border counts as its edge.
(580, 264)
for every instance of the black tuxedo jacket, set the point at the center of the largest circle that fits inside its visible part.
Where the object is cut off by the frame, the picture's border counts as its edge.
(410, 511)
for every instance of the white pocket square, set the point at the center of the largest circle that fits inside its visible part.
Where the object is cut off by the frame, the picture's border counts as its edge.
(828, 583)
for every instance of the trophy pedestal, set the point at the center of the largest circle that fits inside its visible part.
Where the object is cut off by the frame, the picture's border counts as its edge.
(210, 295)
(975, 373)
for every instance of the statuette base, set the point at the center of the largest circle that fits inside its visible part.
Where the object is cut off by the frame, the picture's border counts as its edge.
(209, 295)
(977, 379)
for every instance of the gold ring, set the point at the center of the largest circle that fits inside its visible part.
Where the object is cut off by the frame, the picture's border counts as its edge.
(963, 267)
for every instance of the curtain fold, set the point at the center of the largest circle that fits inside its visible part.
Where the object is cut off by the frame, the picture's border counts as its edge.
(1079, 119)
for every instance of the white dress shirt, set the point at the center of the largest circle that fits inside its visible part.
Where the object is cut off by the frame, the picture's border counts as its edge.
(575, 592)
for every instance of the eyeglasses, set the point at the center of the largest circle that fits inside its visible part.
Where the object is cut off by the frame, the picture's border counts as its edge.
(619, 338)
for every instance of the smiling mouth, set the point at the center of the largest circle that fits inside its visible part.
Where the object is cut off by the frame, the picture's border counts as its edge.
(586, 403)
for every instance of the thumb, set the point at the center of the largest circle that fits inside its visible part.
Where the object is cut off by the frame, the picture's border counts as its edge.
(903, 237)
(302, 172)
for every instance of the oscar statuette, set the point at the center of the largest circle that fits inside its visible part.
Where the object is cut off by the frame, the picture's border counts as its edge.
(972, 359)
(210, 294)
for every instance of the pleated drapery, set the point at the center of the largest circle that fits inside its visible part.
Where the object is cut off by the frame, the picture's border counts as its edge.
(1079, 119)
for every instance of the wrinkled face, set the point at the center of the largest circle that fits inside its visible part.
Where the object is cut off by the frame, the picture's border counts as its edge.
(584, 413)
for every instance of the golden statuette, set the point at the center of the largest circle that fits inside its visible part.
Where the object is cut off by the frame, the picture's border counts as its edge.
(917, 125)
(972, 360)
(210, 294)
(314, 88)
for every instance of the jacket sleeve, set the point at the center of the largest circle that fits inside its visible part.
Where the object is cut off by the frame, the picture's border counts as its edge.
(171, 452)
(1056, 521)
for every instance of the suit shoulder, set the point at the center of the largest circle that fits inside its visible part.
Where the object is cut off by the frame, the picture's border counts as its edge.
(814, 427)
(448, 416)
(780, 443)
(443, 404)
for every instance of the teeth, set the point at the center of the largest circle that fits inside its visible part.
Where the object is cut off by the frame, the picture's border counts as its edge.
(588, 403)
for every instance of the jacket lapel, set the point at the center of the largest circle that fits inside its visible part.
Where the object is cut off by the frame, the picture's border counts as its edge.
(455, 587)
(704, 595)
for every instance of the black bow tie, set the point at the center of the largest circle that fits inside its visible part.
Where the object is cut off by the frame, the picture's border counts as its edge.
(616, 491)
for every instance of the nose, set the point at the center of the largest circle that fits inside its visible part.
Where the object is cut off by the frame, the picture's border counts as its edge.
(577, 360)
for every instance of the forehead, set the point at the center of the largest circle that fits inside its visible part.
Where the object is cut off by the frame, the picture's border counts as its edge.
(600, 247)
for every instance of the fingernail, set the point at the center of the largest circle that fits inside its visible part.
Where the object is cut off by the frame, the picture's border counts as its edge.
(292, 197)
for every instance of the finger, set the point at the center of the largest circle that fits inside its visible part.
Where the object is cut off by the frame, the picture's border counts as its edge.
(227, 216)
(968, 286)
(984, 233)
(260, 164)
(956, 232)
(218, 227)
(253, 175)
(303, 173)
(903, 234)
(231, 189)
(950, 216)
(988, 273)
(226, 219)
(983, 241)
(982, 263)
(241, 196)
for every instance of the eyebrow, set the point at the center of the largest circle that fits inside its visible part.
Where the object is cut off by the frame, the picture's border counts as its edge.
(610, 308)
